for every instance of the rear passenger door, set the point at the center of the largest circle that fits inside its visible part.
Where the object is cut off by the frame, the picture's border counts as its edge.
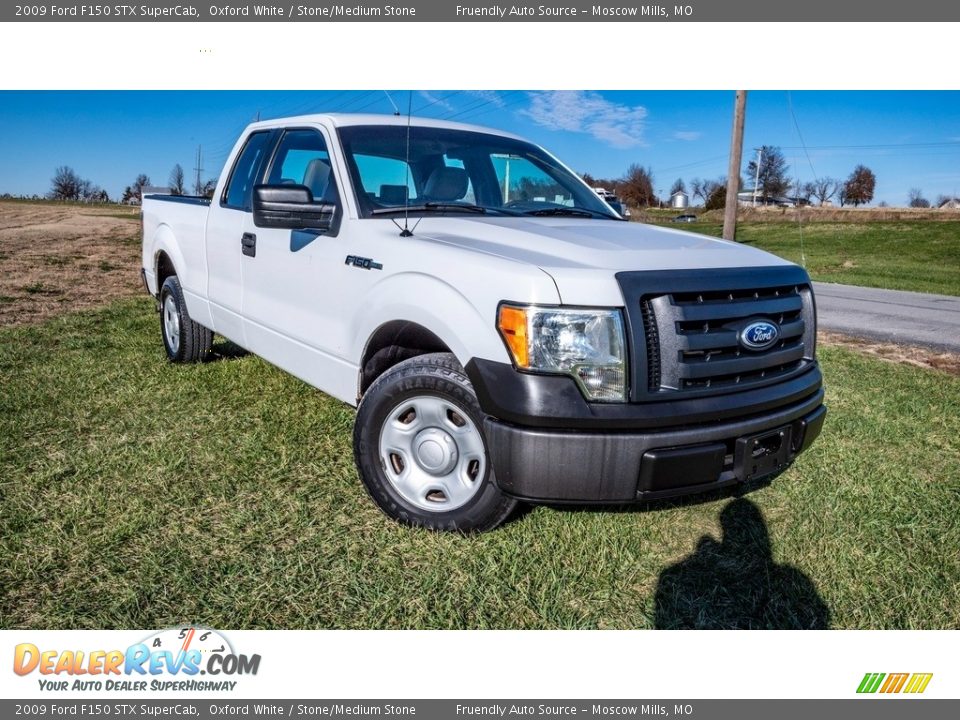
(225, 225)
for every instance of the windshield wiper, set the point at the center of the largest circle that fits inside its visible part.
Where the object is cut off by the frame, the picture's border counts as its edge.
(430, 207)
(570, 212)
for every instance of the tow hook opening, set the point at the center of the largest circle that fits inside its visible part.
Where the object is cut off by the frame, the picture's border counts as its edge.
(767, 445)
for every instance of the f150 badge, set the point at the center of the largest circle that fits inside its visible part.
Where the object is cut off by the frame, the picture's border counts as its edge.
(362, 262)
(759, 335)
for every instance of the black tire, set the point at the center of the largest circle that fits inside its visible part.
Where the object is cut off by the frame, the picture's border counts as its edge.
(436, 375)
(188, 341)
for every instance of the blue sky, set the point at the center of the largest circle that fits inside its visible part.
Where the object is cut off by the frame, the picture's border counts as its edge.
(909, 139)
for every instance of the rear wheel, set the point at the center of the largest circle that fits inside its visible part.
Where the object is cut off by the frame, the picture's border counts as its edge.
(185, 341)
(421, 451)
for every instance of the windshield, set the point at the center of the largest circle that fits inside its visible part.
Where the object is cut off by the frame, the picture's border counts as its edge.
(460, 171)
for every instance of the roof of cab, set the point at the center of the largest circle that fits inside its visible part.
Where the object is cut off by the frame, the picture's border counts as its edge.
(347, 119)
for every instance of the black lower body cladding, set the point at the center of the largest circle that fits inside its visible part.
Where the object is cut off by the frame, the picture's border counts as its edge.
(548, 444)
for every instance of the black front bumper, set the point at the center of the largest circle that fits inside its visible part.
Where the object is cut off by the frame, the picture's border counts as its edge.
(548, 445)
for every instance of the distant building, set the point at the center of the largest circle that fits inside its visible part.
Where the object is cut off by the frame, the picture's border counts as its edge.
(746, 197)
(679, 200)
(951, 204)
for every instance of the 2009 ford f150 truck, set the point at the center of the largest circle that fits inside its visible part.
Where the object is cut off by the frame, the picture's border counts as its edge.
(504, 333)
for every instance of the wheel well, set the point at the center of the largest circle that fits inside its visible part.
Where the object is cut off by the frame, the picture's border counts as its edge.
(164, 269)
(392, 343)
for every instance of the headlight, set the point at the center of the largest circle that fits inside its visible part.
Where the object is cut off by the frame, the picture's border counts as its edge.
(588, 345)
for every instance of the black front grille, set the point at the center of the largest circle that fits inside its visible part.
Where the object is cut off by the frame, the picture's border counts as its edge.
(652, 338)
(689, 329)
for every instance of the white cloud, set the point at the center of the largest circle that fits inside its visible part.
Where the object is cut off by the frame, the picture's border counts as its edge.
(579, 111)
(687, 135)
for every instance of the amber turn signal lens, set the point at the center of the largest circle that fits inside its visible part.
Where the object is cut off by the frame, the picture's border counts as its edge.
(513, 327)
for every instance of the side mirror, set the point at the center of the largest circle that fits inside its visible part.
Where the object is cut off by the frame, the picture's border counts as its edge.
(291, 207)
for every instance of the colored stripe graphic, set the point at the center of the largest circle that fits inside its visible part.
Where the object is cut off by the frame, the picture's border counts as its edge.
(918, 682)
(894, 683)
(870, 682)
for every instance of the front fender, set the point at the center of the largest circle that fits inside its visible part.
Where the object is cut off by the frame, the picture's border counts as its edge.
(444, 310)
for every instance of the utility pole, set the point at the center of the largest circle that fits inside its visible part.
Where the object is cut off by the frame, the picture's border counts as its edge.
(198, 186)
(756, 180)
(733, 168)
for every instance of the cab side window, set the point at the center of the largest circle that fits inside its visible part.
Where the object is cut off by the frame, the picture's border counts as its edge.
(302, 159)
(239, 191)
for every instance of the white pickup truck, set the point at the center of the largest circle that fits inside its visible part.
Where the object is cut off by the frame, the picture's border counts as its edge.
(505, 336)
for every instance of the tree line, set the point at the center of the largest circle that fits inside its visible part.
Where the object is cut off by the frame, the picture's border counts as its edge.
(769, 177)
(67, 184)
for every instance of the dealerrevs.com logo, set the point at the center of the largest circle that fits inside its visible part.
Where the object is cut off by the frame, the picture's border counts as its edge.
(173, 659)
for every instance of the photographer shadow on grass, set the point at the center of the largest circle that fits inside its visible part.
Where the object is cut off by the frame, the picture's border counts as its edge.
(735, 584)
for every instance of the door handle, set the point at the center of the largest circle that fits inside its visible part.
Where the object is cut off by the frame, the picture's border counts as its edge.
(248, 244)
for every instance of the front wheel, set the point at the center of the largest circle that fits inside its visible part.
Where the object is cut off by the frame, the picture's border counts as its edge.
(421, 451)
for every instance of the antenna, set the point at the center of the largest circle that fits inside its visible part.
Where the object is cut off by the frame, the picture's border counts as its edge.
(198, 187)
(396, 110)
(407, 232)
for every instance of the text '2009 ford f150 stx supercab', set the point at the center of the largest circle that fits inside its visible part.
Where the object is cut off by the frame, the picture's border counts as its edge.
(505, 335)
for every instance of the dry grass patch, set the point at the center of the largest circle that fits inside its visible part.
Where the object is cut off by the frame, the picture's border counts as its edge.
(58, 258)
(901, 354)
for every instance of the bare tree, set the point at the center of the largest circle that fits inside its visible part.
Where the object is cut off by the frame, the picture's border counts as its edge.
(140, 183)
(65, 184)
(132, 194)
(859, 187)
(176, 180)
(677, 187)
(942, 200)
(636, 188)
(916, 199)
(90, 192)
(703, 189)
(772, 179)
(823, 189)
(803, 192)
(696, 190)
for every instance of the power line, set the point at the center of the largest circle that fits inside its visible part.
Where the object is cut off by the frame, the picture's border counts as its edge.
(796, 126)
(438, 100)
(476, 105)
(696, 163)
(480, 111)
(875, 146)
(356, 98)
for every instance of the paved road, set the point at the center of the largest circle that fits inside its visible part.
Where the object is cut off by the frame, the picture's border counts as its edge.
(896, 316)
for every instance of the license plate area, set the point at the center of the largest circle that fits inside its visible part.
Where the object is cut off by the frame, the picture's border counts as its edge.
(763, 454)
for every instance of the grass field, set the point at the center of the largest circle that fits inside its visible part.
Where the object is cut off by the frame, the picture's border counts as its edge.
(923, 256)
(140, 494)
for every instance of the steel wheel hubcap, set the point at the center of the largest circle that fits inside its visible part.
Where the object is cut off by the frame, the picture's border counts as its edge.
(171, 324)
(432, 453)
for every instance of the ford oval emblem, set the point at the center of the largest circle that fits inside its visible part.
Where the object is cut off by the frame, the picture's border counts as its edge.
(759, 335)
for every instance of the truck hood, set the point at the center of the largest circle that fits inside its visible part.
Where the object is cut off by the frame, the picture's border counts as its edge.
(578, 252)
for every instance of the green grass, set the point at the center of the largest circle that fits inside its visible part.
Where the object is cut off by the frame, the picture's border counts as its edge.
(923, 256)
(139, 494)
